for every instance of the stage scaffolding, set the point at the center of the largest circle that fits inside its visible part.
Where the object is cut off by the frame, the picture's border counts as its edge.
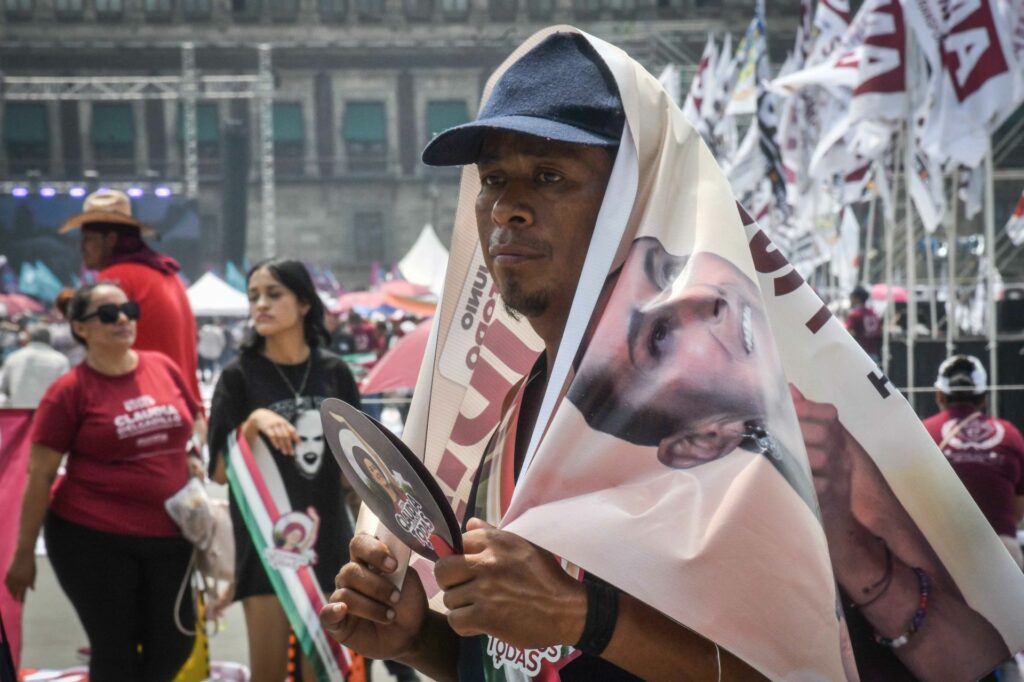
(188, 88)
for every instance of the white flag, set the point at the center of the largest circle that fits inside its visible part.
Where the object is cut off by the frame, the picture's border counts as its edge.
(846, 251)
(972, 186)
(670, 80)
(697, 105)
(1015, 225)
(973, 83)
(744, 94)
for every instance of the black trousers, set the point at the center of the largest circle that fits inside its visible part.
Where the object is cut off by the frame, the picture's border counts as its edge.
(123, 588)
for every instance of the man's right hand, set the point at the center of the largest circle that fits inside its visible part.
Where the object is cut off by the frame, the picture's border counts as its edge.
(366, 613)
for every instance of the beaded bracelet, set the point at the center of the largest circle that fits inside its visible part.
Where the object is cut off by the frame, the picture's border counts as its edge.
(924, 585)
(602, 615)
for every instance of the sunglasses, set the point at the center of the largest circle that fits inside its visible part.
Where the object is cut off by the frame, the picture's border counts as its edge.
(108, 313)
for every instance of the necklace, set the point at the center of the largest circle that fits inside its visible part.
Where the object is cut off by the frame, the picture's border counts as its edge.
(305, 377)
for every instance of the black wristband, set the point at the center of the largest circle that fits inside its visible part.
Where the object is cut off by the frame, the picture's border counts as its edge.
(602, 615)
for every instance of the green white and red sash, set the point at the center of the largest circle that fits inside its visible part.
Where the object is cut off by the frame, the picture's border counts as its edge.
(262, 499)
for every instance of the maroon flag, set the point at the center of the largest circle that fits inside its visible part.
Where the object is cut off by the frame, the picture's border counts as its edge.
(14, 442)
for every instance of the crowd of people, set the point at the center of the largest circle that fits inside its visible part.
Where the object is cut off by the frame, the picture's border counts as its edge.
(129, 423)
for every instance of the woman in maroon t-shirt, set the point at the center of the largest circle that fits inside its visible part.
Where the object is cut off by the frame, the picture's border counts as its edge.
(124, 418)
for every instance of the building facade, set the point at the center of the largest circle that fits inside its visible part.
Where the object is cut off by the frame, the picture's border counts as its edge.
(360, 86)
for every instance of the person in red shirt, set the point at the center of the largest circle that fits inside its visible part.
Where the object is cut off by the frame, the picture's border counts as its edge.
(112, 243)
(863, 324)
(124, 417)
(987, 453)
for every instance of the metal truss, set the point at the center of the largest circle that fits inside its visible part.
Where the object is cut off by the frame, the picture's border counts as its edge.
(187, 88)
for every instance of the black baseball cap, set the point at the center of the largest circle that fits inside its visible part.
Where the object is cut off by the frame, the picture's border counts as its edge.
(560, 90)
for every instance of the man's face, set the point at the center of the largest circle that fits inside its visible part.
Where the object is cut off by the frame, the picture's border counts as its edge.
(680, 348)
(535, 213)
(96, 247)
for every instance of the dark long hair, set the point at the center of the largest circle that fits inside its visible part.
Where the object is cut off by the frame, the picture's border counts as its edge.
(294, 277)
(79, 303)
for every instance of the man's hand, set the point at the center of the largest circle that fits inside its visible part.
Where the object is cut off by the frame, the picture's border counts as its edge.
(506, 587)
(828, 446)
(366, 612)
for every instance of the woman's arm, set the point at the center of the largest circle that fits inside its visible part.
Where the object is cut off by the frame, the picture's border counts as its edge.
(43, 463)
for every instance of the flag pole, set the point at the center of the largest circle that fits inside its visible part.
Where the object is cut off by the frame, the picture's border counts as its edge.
(990, 304)
(869, 238)
(890, 245)
(952, 295)
(929, 260)
(908, 168)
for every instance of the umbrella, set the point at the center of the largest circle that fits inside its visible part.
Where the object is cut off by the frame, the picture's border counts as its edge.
(879, 292)
(399, 367)
(16, 304)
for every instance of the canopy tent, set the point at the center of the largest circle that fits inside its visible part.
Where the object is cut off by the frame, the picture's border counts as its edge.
(398, 368)
(389, 297)
(211, 296)
(427, 260)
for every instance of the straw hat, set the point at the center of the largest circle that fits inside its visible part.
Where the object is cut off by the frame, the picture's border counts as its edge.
(106, 206)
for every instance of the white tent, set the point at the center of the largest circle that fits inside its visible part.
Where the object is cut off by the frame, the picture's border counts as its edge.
(211, 296)
(426, 261)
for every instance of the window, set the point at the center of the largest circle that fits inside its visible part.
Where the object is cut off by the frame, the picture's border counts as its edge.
(540, 10)
(109, 10)
(245, 10)
(197, 9)
(113, 138)
(289, 138)
(26, 137)
(364, 131)
(370, 10)
(333, 10)
(455, 9)
(445, 114)
(159, 10)
(587, 9)
(419, 10)
(68, 9)
(622, 9)
(671, 8)
(284, 10)
(207, 136)
(369, 237)
(18, 9)
(503, 10)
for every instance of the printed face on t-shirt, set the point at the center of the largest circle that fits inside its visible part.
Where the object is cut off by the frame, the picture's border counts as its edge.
(309, 452)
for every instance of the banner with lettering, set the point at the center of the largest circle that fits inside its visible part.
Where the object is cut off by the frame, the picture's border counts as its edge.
(974, 82)
(15, 425)
(717, 443)
(284, 538)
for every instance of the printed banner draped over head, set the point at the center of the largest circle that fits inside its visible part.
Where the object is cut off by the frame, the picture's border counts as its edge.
(667, 456)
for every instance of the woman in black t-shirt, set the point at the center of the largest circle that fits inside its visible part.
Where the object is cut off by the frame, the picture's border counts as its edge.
(274, 390)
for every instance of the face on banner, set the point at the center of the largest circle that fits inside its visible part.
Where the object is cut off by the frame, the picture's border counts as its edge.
(680, 358)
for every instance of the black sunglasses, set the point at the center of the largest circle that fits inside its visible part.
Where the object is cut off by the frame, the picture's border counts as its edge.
(110, 312)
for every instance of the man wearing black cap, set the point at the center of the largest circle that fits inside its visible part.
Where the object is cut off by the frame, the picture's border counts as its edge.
(544, 145)
(987, 453)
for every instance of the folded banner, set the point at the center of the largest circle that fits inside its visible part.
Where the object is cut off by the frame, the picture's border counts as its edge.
(14, 444)
(280, 535)
(719, 446)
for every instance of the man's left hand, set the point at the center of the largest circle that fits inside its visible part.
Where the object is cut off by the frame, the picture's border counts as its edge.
(508, 588)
